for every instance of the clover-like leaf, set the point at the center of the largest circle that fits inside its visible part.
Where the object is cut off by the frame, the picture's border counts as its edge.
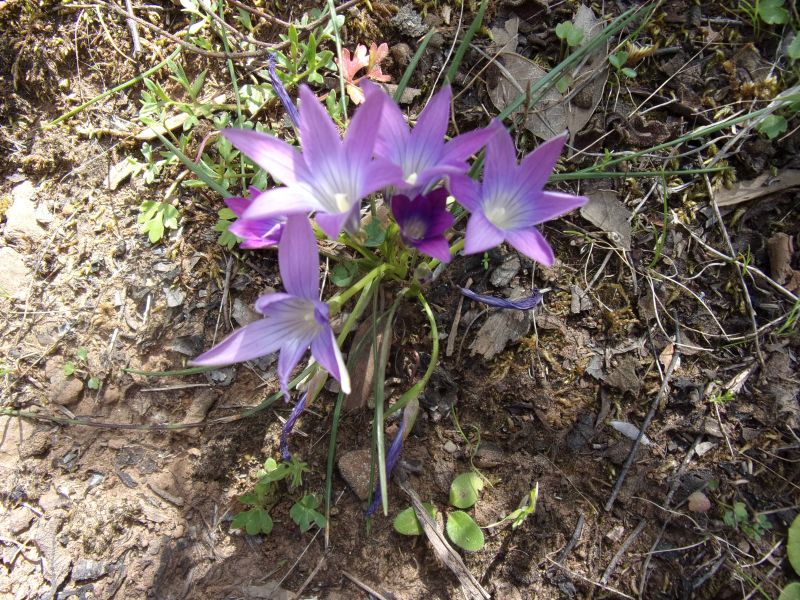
(772, 12)
(464, 532)
(155, 217)
(569, 33)
(406, 522)
(464, 490)
(253, 521)
(304, 513)
(773, 126)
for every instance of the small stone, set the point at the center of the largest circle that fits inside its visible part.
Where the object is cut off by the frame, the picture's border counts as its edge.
(21, 215)
(36, 445)
(401, 53)
(15, 275)
(699, 502)
(20, 520)
(243, 314)
(86, 569)
(506, 271)
(175, 297)
(65, 391)
(450, 447)
(354, 467)
(616, 534)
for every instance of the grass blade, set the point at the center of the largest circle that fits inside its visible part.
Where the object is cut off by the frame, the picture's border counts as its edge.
(412, 66)
(462, 47)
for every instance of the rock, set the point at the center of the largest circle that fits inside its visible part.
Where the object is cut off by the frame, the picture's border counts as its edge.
(616, 533)
(409, 22)
(699, 502)
(501, 328)
(86, 569)
(21, 216)
(507, 270)
(36, 445)
(450, 447)
(64, 390)
(19, 520)
(243, 314)
(15, 275)
(354, 469)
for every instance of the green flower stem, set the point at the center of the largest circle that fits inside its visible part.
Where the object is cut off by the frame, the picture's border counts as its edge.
(358, 310)
(337, 301)
(417, 388)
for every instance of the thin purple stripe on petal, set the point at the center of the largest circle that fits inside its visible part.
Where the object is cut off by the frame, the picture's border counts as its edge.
(521, 304)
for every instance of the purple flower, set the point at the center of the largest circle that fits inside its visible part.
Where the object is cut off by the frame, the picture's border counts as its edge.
(255, 233)
(289, 425)
(521, 304)
(511, 201)
(422, 152)
(423, 222)
(330, 176)
(283, 95)
(292, 321)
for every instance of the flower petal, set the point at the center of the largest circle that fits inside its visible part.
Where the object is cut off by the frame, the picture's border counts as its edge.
(520, 304)
(466, 191)
(393, 131)
(237, 204)
(327, 353)
(251, 341)
(551, 205)
(289, 425)
(279, 202)
(264, 301)
(298, 258)
(465, 145)
(359, 141)
(501, 157)
(380, 174)
(532, 244)
(279, 159)
(292, 351)
(481, 235)
(435, 247)
(331, 224)
(537, 167)
(431, 125)
(318, 134)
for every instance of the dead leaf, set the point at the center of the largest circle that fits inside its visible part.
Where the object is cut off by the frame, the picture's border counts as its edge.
(666, 356)
(781, 248)
(555, 111)
(362, 362)
(623, 376)
(763, 185)
(605, 212)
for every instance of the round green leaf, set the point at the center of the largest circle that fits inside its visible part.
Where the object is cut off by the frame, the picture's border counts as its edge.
(406, 522)
(464, 532)
(464, 490)
(793, 545)
(790, 592)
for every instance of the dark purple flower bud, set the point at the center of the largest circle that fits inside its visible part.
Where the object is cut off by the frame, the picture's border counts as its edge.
(283, 95)
(289, 425)
(521, 304)
(423, 222)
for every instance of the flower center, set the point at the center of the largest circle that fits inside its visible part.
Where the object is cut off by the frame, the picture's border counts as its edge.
(497, 215)
(414, 229)
(412, 179)
(342, 202)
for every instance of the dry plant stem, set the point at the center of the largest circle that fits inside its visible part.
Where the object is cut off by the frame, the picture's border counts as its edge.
(621, 552)
(363, 585)
(651, 413)
(589, 581)
(134, 29)
(212, 53)
(299, 558)
(750, 310)
(310, 577)
(258, 13)
(573, 541)
(444, 551)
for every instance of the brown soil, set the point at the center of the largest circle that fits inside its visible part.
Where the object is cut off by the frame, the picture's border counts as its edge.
(123, 509)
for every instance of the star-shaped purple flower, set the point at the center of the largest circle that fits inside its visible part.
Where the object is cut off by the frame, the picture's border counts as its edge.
(422, 152)
(423, 222)
(255, 233)
(330, 176)
(510, 202)
(292, 321)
